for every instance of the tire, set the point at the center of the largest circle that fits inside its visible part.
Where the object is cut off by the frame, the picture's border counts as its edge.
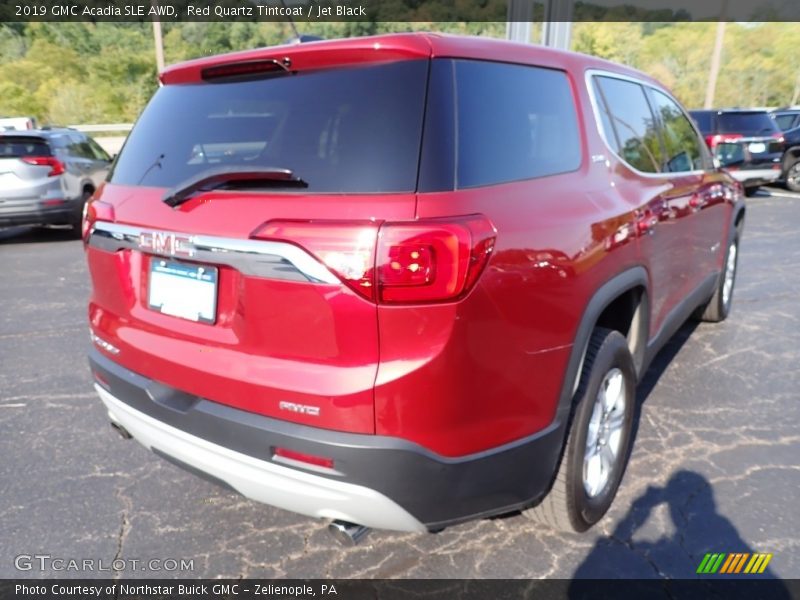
(580, 495)
(719, 307)
(792, 176)
(77, 219)
(751, 191)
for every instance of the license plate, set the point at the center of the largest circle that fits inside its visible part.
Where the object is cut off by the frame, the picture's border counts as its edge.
(183, 290)
(757, 147)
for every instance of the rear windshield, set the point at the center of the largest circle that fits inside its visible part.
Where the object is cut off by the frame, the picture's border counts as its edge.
(746, 123)
(703, 120)
(354, 130)
(16, 147)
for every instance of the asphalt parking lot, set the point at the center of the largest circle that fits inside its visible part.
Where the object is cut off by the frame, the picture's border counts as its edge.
(715, 467)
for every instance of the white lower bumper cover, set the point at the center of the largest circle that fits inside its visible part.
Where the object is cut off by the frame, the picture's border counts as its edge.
(263, 481)
(746, 175)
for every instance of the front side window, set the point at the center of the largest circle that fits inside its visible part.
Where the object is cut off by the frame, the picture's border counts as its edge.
(634, 126)
(514, 122)
(97, 150)
(681, 144)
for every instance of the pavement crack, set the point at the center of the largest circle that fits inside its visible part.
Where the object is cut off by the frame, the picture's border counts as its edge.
(630, 545)
(124, 530)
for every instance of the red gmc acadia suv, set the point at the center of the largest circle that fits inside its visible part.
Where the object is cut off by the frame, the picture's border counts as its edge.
(403, 281)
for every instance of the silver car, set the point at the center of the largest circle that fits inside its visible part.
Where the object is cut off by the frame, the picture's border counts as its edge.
(47, 175)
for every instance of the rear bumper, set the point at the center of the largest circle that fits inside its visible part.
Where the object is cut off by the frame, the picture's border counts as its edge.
(280, 486)
(35, 212)
(752, 177)
(376, 481)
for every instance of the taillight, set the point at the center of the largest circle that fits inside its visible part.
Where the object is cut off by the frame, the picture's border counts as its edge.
(432, 260)
(715, 140)
(346, 248)
(56, 166)
(95, 210)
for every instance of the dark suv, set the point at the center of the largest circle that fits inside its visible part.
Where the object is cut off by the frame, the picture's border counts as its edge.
(748, 143)
(788, 120)
(403, 281)
(47, 175)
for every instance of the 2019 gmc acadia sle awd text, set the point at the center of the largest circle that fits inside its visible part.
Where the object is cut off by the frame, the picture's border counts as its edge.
(403, 281)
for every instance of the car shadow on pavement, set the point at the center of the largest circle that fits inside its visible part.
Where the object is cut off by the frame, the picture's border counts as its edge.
(36, 235)
(657, 368)
(677, 551)
(689, 498)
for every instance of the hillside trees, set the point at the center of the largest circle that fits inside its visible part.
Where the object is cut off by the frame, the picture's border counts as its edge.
(66, 73)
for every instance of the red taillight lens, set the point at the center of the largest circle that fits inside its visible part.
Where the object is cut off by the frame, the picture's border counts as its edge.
(347, 249)
(292, 455)
(431, 260)
(56, 166)
(95, 210)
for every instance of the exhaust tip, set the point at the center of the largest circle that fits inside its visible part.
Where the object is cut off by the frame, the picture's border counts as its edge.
(347, 534)
(121, 430)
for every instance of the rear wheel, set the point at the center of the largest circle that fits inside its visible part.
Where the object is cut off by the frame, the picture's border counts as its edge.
(719, 306)
(77, 218)
(793, 176)
(598, 444)
(751, 191)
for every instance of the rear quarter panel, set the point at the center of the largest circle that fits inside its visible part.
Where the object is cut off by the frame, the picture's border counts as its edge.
(490, 369)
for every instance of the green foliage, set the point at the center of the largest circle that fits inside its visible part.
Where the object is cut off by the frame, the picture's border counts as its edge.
(75, 72)
(760, 62)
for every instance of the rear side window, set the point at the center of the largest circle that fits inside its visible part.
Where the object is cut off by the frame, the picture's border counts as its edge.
(785, 122)
(355, 130)
(17, 147)
(513, 122)
(683, 150)
(633, 124)
(746, 123)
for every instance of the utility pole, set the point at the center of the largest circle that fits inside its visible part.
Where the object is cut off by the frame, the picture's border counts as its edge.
(518, 25)
(159, 40)
(716, 57)
(557, 24)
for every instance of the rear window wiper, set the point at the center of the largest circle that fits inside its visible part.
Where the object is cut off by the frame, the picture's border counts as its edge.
(229, 177)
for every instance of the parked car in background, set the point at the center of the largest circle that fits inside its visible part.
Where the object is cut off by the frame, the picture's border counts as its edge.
(22, 123)
(747, 142)
(319, 306)
(788, 120)
(47, 175)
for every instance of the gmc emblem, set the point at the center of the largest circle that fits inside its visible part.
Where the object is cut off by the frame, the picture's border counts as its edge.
(303, 409)
(165, 242)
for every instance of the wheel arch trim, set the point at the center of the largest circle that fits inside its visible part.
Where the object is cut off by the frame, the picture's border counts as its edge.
(608, 292)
